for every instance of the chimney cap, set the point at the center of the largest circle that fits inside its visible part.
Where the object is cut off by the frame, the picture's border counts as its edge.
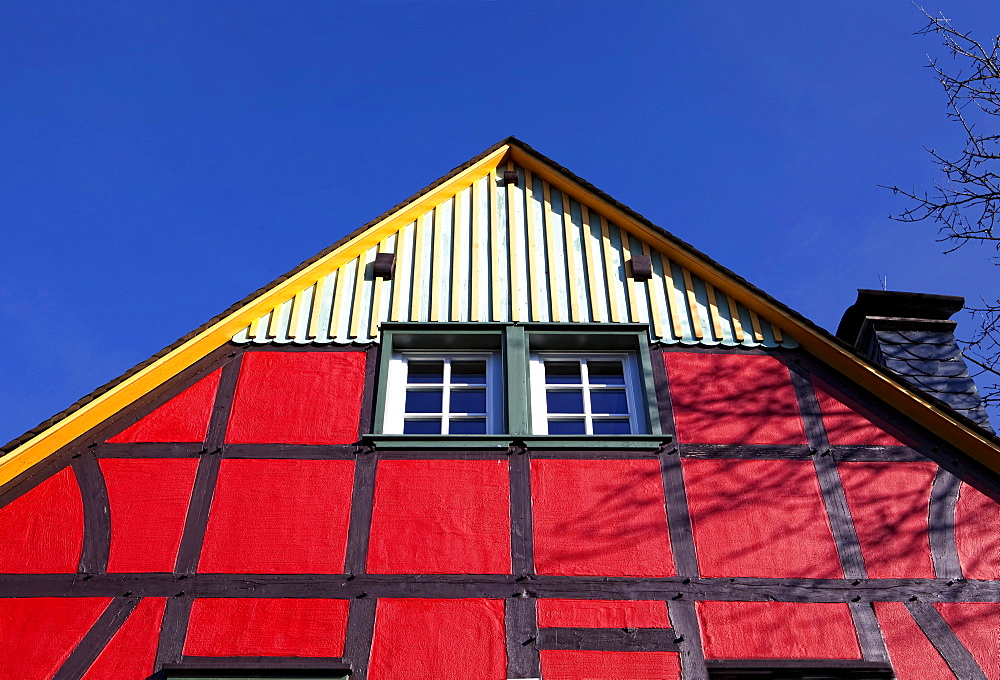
(896, 304)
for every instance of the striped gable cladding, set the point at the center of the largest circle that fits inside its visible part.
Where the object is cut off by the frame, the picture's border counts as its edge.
(496, 252)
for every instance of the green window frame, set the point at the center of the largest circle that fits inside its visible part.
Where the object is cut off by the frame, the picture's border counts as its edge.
(513, 344)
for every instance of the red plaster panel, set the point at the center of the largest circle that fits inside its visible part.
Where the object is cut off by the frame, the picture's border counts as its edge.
(42, 531)
(149, 500)
(977, 517)
(441, 516)
(777, 630)
(912, 654)
(182, 419)
(602, 614)
(733, 399)
(131, 653)
(298, 398)
(439, 639)
(46, 631)
(600, 517)
(889, 503)
(574, 665)
(846, 425)
(267, 627)
(977, 625)
(279, 517)
(760, 518)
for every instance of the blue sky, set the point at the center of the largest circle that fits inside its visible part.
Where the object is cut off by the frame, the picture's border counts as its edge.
(161, 160)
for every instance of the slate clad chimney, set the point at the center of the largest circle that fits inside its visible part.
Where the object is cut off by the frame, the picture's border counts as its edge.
(911, 334)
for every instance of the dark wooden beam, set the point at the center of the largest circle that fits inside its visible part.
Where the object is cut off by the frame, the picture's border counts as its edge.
(608, 639)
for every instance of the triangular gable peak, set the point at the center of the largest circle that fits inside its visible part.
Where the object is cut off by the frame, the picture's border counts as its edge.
(689, 300)
(505, 252)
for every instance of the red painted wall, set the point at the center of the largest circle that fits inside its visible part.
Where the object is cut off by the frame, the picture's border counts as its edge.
(440, 516)
(267, 627)
(131, 653)
(600, 517)
(279, 517)
(977, 517)
(889, 503)
(574, 665)
(759, 518)
(912, 654)
(298, 398)
(149, 499)
(845, 424)
(777, 630)
(440, 639)
(556, 613)
(37, 634)
(733, 399)
(977, 625)
(182, 419)
(42, 531)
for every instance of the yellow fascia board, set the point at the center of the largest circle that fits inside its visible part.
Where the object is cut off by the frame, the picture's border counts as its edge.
(910, 404)
(108, 404)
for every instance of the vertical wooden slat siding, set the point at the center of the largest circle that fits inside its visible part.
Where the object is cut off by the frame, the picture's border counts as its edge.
(386, 245)
(734, 315)
(713, 307)
(293, 323)
(478, 254)
(534, 259)
(572, 259)
(513, 236)
(511, 253)
(496, 258)
(668, 284)
(692, 302)
(594, 267)
(362, 292)
(552, 246)
(459, 257)
(418, 268)
(404, 268)
(758, 335)
(655, 298)
(609, 272)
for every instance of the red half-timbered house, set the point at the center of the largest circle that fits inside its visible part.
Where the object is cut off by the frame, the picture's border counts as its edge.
(508, 430)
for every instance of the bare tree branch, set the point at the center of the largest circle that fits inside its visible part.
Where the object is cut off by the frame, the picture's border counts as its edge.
(965, 202)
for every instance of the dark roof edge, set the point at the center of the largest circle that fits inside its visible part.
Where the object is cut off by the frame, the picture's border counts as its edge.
(885, 372)
(77, 405)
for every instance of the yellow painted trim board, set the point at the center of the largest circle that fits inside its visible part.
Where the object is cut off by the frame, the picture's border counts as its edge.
(906, 402)
(106, 405)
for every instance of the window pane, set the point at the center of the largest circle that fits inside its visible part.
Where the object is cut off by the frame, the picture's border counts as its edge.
(423, 401)
(606, 372)
(608, 401)
(468, 401)
(562, 372)
(471, 372)
(421, 426)
(574, 426)
(612, 426)
(467, 426)
(564, 401)
(425, 371)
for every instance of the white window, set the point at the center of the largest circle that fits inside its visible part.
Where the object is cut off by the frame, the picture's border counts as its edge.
(452, 393)
(586, 394)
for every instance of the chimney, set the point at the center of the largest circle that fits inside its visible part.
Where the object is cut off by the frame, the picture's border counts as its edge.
(911, 334)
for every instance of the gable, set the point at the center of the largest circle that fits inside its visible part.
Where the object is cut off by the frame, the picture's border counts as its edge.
(578, 270)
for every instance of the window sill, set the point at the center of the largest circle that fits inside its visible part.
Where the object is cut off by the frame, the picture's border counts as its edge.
(502, 441)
